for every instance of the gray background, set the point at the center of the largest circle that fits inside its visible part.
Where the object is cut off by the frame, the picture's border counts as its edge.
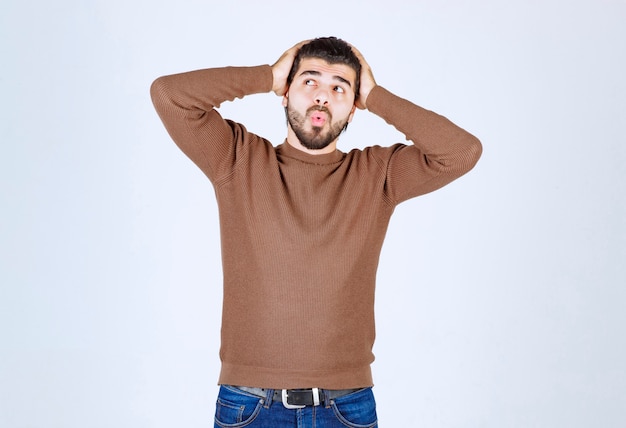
(500, 298)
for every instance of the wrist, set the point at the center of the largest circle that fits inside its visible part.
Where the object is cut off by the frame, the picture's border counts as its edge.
(279, 81)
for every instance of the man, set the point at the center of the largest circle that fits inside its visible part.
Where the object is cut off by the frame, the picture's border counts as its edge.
(302, 225)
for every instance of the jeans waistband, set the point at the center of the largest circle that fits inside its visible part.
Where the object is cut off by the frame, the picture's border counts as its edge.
(298, 398)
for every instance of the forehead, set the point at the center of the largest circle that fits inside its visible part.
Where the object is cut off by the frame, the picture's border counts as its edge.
(327, 70)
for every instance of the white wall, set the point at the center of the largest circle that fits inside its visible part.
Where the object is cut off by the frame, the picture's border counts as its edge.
(500, 298)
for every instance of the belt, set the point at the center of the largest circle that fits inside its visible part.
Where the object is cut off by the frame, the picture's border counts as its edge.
(299, 398)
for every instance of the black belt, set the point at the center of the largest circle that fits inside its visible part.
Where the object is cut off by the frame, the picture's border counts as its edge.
(299, 398)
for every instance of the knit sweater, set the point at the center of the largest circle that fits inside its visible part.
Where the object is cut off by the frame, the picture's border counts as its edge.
(301, 234)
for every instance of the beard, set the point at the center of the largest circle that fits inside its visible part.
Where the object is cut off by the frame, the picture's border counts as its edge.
(315, 138)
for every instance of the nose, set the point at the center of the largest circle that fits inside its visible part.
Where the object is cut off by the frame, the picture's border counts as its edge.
(321, 97)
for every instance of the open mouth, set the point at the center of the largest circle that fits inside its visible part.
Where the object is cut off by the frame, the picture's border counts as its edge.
(318, 118)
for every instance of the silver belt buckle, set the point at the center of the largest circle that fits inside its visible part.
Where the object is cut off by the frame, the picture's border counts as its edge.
(287, 405)
(316, 399)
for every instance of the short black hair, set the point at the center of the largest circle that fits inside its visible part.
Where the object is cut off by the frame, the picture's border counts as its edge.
(332, 50)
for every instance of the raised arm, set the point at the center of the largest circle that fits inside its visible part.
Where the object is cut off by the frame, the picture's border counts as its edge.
(186, 104)
(441, 151)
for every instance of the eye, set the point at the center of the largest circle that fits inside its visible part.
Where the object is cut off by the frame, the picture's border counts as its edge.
(309, 82)
(339, 89)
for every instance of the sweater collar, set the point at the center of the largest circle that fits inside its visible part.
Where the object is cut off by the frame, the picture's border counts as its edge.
(289, 151)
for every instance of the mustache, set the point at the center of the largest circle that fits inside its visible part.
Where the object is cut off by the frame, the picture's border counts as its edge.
(319, 108)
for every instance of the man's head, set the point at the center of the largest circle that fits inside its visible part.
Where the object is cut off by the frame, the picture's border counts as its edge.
(332, 50)
(322, 91)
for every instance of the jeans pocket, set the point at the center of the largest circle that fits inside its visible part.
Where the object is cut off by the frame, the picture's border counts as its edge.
(357, 410)
(234, 409)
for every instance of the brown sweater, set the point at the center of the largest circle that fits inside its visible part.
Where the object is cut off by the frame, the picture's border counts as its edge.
(301, 234)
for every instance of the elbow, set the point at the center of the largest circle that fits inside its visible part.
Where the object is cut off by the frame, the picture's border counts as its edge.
(157, 90)
(466, 157)
(163, 95)
(474, 151)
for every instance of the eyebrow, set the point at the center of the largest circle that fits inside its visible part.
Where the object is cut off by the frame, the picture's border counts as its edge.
(317, 73)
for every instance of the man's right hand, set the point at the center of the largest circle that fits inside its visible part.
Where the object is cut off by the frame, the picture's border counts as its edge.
(282, 67)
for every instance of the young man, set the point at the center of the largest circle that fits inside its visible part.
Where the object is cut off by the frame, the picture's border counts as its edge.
(302, 225)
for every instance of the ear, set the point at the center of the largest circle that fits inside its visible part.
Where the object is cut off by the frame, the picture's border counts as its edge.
(286, 98)
(351, 113)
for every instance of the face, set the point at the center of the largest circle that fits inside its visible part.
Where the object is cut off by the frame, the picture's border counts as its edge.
(319, 103)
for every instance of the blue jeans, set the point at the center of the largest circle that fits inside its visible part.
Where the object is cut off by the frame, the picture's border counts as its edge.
(236, 408)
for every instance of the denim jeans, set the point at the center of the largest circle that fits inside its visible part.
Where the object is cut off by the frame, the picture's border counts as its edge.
(236, 408)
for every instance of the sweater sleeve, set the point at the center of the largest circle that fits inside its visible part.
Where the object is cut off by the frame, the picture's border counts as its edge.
(441, 151)
(186, 104)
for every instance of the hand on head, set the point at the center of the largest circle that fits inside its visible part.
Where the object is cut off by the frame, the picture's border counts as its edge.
(282, 67)
(367, 80)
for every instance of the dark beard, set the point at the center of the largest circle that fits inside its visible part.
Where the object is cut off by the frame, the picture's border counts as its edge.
(314, 139)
